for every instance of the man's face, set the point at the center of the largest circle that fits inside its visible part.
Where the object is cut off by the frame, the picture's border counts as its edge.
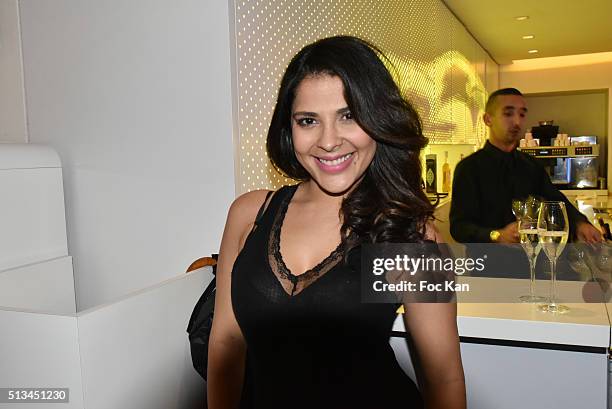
(507, 119)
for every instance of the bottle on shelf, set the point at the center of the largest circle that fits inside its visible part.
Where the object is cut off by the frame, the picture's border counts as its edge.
(430, 174)
(446, 174)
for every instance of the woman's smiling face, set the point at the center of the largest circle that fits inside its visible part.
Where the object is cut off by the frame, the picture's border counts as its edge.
(328, 142)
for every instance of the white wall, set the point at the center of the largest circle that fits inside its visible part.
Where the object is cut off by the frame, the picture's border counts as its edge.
(46, 286)
(12, 110)
(135, 97)
(40, 350)
(32, 215)
(138, 348)
(569, 73)
(131, 353)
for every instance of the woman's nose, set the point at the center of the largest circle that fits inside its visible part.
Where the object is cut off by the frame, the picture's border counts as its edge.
(330, 140)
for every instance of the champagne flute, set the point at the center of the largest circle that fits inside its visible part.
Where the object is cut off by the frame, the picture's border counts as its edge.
(518, 208)
(528, 211)
(528, 236)
(553, 231)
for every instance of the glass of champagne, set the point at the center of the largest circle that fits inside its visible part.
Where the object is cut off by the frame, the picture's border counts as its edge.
(518, 208)
(553, 230)
(528, 236)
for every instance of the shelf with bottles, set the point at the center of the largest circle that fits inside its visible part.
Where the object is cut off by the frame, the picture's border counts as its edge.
(449, 154)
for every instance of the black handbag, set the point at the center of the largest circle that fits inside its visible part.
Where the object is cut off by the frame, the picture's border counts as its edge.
(200, 322)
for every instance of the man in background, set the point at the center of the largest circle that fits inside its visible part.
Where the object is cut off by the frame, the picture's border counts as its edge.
(486, 182)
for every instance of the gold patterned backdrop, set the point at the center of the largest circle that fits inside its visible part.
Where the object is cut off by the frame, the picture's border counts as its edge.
(442, 70)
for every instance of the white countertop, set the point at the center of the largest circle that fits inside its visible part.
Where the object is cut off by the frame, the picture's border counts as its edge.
(586, 324)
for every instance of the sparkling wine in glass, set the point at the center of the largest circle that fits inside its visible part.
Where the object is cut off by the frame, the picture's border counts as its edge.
(530, 241)
(553, 231)
(518, 208)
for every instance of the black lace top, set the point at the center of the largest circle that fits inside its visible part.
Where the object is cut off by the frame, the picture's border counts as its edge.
(311, 342)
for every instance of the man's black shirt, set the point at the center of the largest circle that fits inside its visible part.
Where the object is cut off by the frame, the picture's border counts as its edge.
(484, 185)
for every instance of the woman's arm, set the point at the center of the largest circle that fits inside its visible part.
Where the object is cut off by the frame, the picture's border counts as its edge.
(433, 328)
(227, 347)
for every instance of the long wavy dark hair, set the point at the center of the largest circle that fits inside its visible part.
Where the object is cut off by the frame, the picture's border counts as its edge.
(389, 204)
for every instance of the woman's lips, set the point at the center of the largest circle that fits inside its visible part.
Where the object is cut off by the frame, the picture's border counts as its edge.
(336, 165)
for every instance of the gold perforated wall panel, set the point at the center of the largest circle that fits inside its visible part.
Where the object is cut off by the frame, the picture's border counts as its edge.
(442, 70)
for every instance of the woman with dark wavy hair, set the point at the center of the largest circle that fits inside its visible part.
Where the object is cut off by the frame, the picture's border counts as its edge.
(290, 328)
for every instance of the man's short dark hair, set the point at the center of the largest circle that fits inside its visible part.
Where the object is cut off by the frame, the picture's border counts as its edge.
(495, 94)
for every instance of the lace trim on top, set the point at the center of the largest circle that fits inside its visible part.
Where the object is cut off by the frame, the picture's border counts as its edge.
(295, 284)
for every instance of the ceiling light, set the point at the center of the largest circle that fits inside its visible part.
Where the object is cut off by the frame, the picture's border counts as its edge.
(529, 37)
(532, 51)
(521, 18)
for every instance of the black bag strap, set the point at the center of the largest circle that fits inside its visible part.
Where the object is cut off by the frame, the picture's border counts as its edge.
(258, 218)
(260, 213)
(262, 209)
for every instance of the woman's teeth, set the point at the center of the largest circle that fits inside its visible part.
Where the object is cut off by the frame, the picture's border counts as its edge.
(335, 161)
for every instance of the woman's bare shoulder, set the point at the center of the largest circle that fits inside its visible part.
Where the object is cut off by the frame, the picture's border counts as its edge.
(244, 209)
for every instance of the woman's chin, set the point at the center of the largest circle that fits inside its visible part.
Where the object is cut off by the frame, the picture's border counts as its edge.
(337, 187)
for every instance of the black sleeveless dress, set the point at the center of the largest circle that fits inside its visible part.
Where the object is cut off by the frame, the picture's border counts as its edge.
(311, 343)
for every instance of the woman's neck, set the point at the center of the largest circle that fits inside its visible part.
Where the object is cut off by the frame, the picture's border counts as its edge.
(310, 191)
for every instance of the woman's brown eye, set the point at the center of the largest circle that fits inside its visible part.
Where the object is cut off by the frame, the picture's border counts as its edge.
(305, 121)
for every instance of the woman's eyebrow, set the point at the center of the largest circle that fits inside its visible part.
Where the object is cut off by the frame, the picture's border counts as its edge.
(304, 113)
(308, 113)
